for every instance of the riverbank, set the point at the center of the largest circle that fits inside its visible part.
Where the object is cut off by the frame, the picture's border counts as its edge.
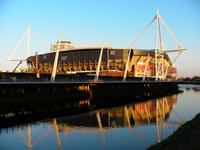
(186, 137)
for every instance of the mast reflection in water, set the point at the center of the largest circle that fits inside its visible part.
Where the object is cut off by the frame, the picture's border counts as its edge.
(130, 126)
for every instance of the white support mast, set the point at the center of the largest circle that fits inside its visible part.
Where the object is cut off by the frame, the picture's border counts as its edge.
(25, 40)
(28, 41)
(161, 49)
(53, 75)
(159, 53)
(99, 65)
(156, 61)
(161, 67)
(156, 47)
(145, 70)
(127, 65)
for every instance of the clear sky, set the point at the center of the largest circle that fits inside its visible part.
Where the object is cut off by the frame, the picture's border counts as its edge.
(115, 22)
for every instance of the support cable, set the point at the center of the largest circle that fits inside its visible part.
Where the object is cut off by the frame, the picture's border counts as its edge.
(132, 43)
(17, 46)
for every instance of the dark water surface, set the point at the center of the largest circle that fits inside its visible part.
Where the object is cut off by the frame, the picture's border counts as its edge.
(132, 126)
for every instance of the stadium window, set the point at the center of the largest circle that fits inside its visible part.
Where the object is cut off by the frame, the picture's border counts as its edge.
(112, 52)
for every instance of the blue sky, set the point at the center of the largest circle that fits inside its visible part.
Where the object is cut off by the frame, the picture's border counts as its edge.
(115, 22)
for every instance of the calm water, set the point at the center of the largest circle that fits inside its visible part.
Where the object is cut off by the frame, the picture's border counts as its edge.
(134, 126)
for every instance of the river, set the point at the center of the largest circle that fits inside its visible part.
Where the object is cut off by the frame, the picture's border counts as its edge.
(133, 126)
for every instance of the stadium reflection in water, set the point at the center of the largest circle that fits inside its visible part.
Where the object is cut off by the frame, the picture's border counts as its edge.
(102, 121)
(137, 126)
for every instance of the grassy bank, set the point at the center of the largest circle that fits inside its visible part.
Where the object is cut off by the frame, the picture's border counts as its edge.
(186, 137)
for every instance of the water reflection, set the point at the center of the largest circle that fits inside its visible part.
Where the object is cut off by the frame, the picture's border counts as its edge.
(94, 122)
(126, 116)
(151, 113)
(145, 113)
